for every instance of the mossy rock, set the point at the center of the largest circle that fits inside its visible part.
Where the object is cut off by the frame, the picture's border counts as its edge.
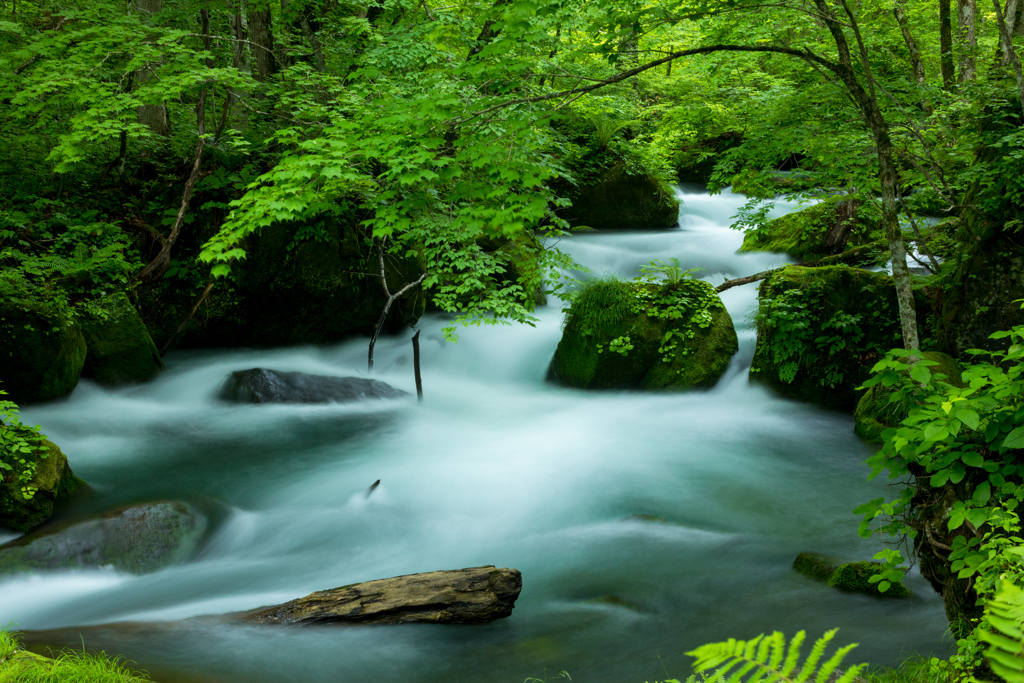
(42, 351)
(820, 331)
(825, 228)
(313, 284)
(53, 479)
(814, 566)
(138, 539)
(875, 413)
(855, 577)
(979, 295)
(619, 200)
(611, 313)
(119, 348)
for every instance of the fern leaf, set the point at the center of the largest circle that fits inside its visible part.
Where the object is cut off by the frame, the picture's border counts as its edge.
(770, 660)
(1003, 630)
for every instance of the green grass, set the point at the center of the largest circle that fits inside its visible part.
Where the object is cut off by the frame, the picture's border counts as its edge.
(68, 666)
(917, 669)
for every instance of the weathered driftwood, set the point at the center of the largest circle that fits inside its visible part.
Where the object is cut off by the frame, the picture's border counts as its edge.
(850, 256)
(460, 596)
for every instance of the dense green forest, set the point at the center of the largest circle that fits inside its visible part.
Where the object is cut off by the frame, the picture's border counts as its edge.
(197, 174)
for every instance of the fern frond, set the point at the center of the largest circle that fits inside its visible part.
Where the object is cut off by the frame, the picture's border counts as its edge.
(770, 660)
(1003, 630)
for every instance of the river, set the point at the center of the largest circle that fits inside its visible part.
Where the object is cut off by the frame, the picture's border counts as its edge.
(494, 467)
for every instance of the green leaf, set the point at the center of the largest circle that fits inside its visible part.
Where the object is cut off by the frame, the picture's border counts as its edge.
(1015, 439)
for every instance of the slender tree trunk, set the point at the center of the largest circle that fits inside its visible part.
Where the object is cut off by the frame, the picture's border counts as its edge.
(916, 63)
(487, 34)
(262, 37)
(153, 116)
(416, 365)
(967, 39)
(946, 46)
(872, 113)
(1009, 53)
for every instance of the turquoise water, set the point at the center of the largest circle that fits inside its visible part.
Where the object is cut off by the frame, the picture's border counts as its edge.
(494, 467)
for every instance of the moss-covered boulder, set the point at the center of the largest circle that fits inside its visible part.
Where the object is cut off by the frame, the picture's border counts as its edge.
(618, 199)
(644, 335)
(825, 228)
(851, 576)
(53, 480)
(42, 350)
(137, 539)
(855, 577)
(875, 412)
(119, 348)
(820, 330)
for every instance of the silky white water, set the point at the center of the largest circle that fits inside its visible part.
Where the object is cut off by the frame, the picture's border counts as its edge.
(494, 467)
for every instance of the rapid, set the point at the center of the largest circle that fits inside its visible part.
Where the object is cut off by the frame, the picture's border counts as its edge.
(494, 467)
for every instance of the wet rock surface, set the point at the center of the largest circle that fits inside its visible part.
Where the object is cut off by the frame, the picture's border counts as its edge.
(460, 596)
(260, 385)
(137, 539)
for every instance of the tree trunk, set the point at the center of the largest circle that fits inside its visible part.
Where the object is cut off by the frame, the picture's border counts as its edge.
(262, 38)
(1009, 53)
(946, 46)
(153, 116)
(236, 20)
(967, 39)
(917, 64)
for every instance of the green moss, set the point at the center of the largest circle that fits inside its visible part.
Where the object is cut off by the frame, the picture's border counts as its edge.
(854, 577)
(42, 351)
(803, 234)
(875, 413)
(618, 200)
(814, 566)
(120, 350)
(617, 337)
(53, 479)
(820, 330)
(21, 666)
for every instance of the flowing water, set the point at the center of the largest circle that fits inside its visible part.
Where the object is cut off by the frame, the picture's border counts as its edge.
(494, 467)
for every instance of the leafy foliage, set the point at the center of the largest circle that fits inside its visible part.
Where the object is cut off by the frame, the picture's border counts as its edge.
(20, 449)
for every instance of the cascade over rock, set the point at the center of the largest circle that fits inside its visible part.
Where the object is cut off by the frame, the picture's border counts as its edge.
(53, 481)
(120, 350)
(137, 538)
(612, 342)
(821, 330)
(42, 351)
(260, 385)
(618, 200)
(459, 596)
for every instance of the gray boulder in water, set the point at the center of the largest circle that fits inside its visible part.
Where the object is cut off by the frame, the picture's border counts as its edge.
(137, 539)
(459, 596)
(270, 386)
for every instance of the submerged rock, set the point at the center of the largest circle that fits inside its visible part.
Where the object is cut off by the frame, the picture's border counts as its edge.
(637, 335)
(259, 385)
(120, 350)
(53, 480)
(851, 576)
(875, 413)
(42, 350)
(460, 596)
(137, 539)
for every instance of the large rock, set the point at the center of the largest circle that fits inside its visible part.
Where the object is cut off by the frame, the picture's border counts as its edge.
(617, 200)
(119, 348)
(612, 340)
(317, 283)
(460, 596)
(138, 539)
(821, 330)
(875, 412)
(42, 350)
(825, 228)
(53, 481)
(270, 386)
